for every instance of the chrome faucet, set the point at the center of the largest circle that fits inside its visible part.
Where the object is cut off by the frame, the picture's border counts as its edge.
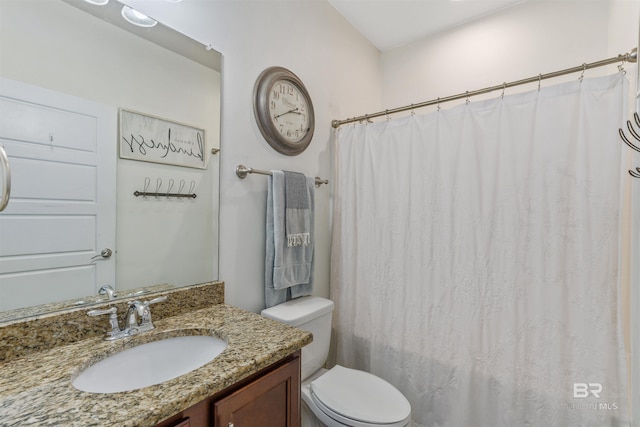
(138, 319)
(108, 291)
(136, 309)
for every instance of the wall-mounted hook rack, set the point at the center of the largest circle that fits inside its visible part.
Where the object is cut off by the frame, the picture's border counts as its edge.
(179, 195)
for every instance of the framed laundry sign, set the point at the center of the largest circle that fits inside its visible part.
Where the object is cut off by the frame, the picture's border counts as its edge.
(152, 139)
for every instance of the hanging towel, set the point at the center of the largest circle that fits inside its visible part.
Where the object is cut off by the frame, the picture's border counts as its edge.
(297, 213)
(289, 237)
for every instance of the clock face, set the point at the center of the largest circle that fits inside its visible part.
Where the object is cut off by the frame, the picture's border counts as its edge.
(283, 111)
(289, 111)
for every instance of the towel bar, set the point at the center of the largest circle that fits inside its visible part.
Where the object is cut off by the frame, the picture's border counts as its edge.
(242, 171)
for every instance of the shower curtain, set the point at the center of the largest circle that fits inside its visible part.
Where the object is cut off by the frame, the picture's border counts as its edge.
(475, 261)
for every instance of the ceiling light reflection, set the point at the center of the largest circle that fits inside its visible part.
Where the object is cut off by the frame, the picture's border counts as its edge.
(137, 18)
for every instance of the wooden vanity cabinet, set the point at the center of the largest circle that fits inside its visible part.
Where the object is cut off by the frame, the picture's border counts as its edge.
(270, 398)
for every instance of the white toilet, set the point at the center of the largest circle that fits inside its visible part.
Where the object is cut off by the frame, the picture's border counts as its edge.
(339, 396)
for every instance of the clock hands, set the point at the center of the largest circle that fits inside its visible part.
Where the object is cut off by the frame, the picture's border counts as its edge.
(294, 111)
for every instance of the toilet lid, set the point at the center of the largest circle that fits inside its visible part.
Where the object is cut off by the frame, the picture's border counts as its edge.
(360, 396)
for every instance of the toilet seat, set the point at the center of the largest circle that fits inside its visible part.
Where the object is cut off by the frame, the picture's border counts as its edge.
(358, 398)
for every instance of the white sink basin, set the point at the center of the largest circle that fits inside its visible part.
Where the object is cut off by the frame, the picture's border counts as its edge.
(149, 364)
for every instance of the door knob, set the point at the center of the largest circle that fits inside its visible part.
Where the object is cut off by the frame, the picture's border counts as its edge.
(106, 253)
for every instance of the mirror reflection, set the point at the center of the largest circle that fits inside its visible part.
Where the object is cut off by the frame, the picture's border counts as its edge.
(73, 223)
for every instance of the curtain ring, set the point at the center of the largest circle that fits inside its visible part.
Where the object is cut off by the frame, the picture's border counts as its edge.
(539, 81)
(584, 68)
(413, 113)
(621, 67)
(438, 103)
(504, 87)
(467, 100)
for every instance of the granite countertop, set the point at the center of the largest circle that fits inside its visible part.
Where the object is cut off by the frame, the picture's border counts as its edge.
(36, 389)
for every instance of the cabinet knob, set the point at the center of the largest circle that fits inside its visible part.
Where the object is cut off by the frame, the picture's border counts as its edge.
(230, 425)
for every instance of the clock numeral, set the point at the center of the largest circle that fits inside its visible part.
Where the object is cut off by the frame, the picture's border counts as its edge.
(276, 94)
(286, 89)
(272, 104)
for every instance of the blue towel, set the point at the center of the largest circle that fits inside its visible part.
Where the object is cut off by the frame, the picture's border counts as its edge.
(289, 268)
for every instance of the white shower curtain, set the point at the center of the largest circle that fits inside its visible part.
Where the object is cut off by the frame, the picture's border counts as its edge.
(476, 258)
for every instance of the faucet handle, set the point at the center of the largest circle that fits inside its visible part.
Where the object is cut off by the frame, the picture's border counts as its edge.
(113, 321)
(98, 312)
(156, 300)
(146, 313)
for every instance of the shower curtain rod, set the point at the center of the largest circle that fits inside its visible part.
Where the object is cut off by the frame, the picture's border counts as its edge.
(631, 56)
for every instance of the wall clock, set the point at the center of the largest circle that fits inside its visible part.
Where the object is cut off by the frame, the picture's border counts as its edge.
(283, 110)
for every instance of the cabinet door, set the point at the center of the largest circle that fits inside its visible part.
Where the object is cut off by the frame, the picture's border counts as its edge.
(272, 400)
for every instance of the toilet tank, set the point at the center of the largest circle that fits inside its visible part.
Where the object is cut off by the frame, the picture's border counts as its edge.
(312, 314)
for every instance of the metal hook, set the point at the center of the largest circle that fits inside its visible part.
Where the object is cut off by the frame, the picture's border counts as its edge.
(413, 113)
(147, 182)
(191, 187)
(539, 81)
(181, 187)
(467, 100)
(626, 141)
(158, 185)
(584, 68)
(621, 67)
(504, 87)
(438, 103)
(386, 112)
(171, 182)
(632, 131)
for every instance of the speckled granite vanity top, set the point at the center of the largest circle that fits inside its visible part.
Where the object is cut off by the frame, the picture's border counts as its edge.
(35, 389)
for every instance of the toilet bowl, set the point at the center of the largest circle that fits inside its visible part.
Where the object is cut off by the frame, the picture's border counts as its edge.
(348, 397)
(338, 396)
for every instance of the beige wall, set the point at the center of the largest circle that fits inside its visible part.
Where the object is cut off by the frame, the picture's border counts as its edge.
(537, 36)
(341, 71)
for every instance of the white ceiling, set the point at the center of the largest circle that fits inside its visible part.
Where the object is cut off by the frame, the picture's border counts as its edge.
(388, 24)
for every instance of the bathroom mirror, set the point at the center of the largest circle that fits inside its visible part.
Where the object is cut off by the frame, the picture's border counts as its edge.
(90, 52)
